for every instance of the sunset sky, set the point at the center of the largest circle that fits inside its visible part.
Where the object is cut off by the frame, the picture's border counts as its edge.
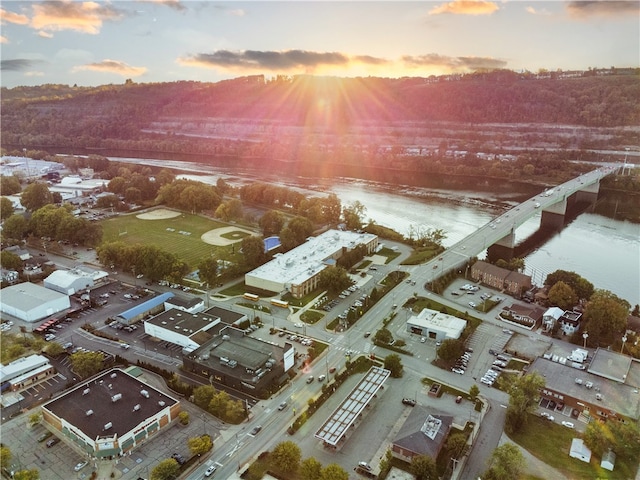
(98, 42)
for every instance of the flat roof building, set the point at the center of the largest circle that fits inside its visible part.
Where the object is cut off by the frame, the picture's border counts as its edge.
(435, 325)
(68, 281)
(29, 302)
(110, 414)
(243, 362)
(297, 271)
(589, 395)
(150, 307)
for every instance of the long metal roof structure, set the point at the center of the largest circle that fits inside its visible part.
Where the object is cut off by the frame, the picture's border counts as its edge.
(335, 427)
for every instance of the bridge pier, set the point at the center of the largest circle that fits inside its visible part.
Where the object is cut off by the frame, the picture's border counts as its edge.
(553, 215)
(503, 248)
(588, 194)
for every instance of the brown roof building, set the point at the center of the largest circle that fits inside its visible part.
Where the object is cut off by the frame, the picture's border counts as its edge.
(514, 283)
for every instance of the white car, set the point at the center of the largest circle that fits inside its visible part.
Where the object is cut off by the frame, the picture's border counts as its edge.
(547, 416)
(472, 305)
(210, 471)
(80, 466)
(568, 424)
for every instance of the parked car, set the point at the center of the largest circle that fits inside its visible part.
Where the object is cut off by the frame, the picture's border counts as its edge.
(52, 442)
(178, 458)
(310, 379)
(44, 436)
(80, 466)
(458, 399)
(547, 416)
(568, 424)
(409, 401)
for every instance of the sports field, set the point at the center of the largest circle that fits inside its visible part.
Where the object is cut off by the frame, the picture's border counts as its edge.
(179, 235)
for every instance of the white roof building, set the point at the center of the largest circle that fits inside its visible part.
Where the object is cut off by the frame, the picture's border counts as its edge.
(579, 450)
(435, 325)
(68, 281)
(21, 366)
(297, 269)
(30, 302)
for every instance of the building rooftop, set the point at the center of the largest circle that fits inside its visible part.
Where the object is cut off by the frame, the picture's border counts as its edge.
(304, 261)
(424, 431)
(185, 323)
(235, 350)
(618, 397)
(612, 365)
(27, 296)
(145, 306)
(452, 326)
(554, 312)
(343, 417)
(184, 302)
(227, 316)
(114, 397)
(21, 365)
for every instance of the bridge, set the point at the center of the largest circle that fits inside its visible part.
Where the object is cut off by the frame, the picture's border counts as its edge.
(500, 232)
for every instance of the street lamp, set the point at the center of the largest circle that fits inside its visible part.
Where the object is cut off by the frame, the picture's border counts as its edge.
(585, 335)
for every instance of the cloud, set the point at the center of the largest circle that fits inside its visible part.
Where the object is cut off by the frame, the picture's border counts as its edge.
(465, 7)
(10, 17)
(453, 64)
(17, 64)
(3, 39)
(175, 4)
(533, 11)
(271, 60)
(599, 8)
(83, 17)
(112, 66)
(44, 34)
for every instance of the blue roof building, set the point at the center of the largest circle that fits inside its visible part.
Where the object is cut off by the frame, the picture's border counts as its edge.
(151, 306)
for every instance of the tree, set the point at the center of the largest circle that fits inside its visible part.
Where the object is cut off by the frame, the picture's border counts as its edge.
(451, 349)
(9, 185)
(507, 463)
(333, 471)
(35, 418)
(605, 317)
(202, 395)
(334, 279)
(183, 416)
(582, 287)
(310, 469)
(200, 445)
(393, 363)
(456, 445)
(6, 208)
(5, 457)
(36, 196)
(523, 400)
(353, 215)
(16, 227)
(423, 467)
(33, 474)
(10, 261)
(286, 456)
(253, 251)
(271, 222)
(383, 336)
(86, 364)
(229, 210)
(208, 270)
(166, 470)
(54, 349)
(474, 391)
(622, 438)
(563, 296)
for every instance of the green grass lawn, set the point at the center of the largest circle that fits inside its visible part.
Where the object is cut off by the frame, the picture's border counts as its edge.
(166, 234)
(550, 442)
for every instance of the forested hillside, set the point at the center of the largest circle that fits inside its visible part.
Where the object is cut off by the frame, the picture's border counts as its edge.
(320, 110)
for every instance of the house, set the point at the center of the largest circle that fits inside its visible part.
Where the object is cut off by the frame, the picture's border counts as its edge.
(424, 432)
(9, 276)
(550, 318)
(579, 450)
(21, 253)
(570, 322)
(527, 315)
(608, 461)
(436, 325)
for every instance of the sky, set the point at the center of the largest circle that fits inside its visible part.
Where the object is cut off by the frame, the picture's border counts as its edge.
(90, 43)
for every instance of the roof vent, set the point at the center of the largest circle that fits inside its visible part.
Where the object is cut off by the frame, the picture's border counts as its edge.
(136, 407)
(85, 391)
(107, 426)
(161, 403)
(89, 413)
(113, 375)
(116, 397)
(144, 393)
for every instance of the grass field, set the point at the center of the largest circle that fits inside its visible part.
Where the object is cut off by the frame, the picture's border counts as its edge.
(190, 248)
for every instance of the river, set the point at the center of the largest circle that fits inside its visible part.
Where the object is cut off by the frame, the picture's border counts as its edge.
(601, 249)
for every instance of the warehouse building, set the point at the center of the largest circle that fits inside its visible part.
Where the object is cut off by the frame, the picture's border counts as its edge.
(298, 270)
(30, 302)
